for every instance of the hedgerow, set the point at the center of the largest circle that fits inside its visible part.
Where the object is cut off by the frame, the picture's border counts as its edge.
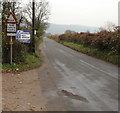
(103, 40)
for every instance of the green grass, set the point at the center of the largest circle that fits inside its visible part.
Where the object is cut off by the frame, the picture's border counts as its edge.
(109, 56)
(31, 61)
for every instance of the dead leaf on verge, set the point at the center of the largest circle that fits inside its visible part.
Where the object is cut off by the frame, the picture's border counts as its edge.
(13, 92)
(43, 108)
(28, 103)
(32, 108)
(20, 82)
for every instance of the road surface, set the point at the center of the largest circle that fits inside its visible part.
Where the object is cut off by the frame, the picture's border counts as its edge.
(73, 81)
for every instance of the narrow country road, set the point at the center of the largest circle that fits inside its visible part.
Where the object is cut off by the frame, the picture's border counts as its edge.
(74, 81)
(67, 81)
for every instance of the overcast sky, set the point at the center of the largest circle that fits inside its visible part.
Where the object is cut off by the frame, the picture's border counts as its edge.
(84, 12)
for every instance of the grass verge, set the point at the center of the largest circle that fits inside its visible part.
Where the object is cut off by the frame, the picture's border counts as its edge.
(109, 56)
(31, 61)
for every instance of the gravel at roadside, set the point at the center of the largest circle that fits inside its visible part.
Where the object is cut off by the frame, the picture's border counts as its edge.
(22, 92)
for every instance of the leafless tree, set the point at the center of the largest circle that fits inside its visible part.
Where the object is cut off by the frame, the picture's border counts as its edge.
(42, 13)
(10, 5)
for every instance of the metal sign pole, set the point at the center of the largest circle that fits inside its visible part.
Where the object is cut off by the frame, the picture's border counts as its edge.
(11, 29)
(11, 51)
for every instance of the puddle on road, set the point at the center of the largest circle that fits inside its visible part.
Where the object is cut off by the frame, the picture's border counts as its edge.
(73, 96)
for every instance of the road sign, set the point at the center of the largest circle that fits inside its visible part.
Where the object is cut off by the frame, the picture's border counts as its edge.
(23, 36)
(11, 19)
(11, 34)
(11, 27)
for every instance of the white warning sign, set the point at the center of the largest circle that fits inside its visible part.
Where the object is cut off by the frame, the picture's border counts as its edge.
(11, 27)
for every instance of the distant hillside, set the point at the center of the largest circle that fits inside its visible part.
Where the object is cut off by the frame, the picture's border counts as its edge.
(59, 29)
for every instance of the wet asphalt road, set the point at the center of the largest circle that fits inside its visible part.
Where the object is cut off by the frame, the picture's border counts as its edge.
(73, 81)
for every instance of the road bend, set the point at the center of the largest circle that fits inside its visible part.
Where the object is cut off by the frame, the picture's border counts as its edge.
(72, 81)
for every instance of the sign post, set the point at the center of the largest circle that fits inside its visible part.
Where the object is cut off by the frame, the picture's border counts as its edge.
(11, 31)
(11, 53)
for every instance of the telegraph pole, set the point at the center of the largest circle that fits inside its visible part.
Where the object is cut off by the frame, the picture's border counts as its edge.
(119, 14)
(33, 26)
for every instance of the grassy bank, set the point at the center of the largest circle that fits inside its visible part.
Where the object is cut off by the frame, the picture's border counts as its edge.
(31, 61)
(111, 56)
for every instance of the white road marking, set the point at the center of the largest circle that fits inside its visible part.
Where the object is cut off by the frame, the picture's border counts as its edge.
(99, 69)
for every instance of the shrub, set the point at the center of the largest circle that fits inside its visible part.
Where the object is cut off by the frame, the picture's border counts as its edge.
(19, 50)
(103, 40)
